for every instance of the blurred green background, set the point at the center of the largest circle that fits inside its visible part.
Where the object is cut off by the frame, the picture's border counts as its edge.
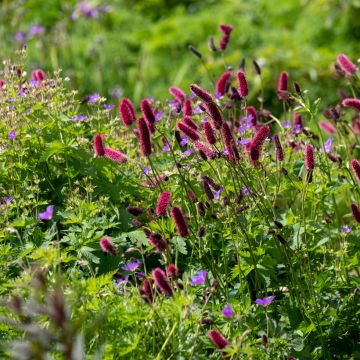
(139, 48)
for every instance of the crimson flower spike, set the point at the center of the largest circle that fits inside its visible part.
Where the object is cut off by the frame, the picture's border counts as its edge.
(353, 103)
(242, 83)
(180, 221)
(172, 271)
(98, 145)
(190, 122)
(250, 110)
(229, 143)
(309, 157)
(279, 149)
(127, 112)
(115, 155)
(355, 166)
(163, 203)
(201, 93)
(147, 111)
(162, 282)
(282, 88)
(209, 133)
(223, 84)
(107, 246)
(203, 149)
(258, 142)
(218, 339)
(187, 108)
(215, 114)
(226, 31)
(346, 64)
(177, 93)
(188, 131)
(146, 291)
(144, 137)
(356, 212)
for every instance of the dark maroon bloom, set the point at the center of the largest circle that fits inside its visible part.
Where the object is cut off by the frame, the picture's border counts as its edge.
(147, 111)
(38, 75)
(195, 51)
(127, 112)
(282, 88)
(298, 120)
(258, 142)
(327, 127)
(201, 93)
(212, 182)
(98, 145)
(190, 122)
(242, 84)
(187, 108)
(115, 155)
(356, 212)
(279, 149)
(211, 44)
(188, 131)
(163, 203)
(156, 240)
(257, 68)
(177, 93)
(355, 166)
(251, 111)
(226, 31)
(200, 209)
(218, 339)
(144, 137)
(146, 291)
(229, 143)
(180, 221)
(162, 282)
(201, 147)
(309, 157)
(2, 83)
(136, 223)
(222, 86)
(107, 246)
(134, 210)
(209, 133)
(346, 65)
(297, 88)
(207, 190)
(353, 103)
(215, 114)
(192, 196)
(172, 271)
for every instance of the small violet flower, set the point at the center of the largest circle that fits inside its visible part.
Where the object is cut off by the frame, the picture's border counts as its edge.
(183, 141)
(145, 171)
(93, 98)
(328, 145)
(265, 301)
(217, 193)
(166, 147)
(228, 311)
(158, 115)
(108, 107)
(297, 129)
(131, 266)
(187, 152)
(36, 30)
(345, 229)
(286, 124)
(245, 191)
(121, 281)
(7, 199)
(199, 279)
(47, 214)
(12, 134)
(243, 141)
(78, 118)
(20, 36)
(197, 110)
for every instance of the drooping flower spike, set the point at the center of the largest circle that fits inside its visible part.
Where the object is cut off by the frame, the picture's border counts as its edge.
(201, 93)
(177, 93)
(309, 157)
(147, 111)
(218, 339)
(188, 131)
(258, 142)
(346, 64)
(107, 246)
(115, 155)
(353, 103)
(98, 145)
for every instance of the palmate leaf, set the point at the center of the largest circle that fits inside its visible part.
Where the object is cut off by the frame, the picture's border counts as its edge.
(180, 244)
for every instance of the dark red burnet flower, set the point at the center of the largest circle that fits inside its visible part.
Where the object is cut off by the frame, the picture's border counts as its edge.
(115, 155)
(190, 122)
(242, 84)
(278, 148)
(251, 111)
(163, 203)
(135, 210)
(156, 240)
(172, 271)
(162, 282)
(38, 75)
(258, 142)
(223, 84)
(209, 133)
(356, 212)
(212, 182)
(188, 131)
(353, 103)
(282, 88)
(327, 127)
(144, 137)
(177, 93)
(180, 221)
(98, 145)
(207, 190)
(218, 339)
(229, 143)
(309, 157)
(355, 166)
(346, 64)
(187, 110)
(201, 93)
(226, 31)
(215, 114)
(192, 196)
(127, 111)
(107, 246)
(146, 291)
(147, 111)
(201, 147)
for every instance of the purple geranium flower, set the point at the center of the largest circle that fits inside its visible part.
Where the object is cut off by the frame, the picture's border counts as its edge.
(47, 214)
(243, 141)
(265, 301)
(197, 110)
(78, 118)
(225, 152)
(131, 266)
(93, 98)
(22, 92)
(158, 115)
(346, 229)
(328, 145)
(36, 30)
(228, 311)
(121, 281)
(7, 199)
(218, 192)
(245, 191)
(286, 124)
(108, 107)
(184, 141)
(297, 129)
(192, 95)
(12, 134)
(20, 36)
(187, 152)
(218, 96)
(166, 147)
(145, 171)
(199, 279)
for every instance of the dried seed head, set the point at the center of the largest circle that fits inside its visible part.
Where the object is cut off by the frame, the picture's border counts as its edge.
(156, 240)
(192, 196)
(298, 120)
(297, 88)
(195, 51)
(207, 190)
(201, 231)
(146, 291)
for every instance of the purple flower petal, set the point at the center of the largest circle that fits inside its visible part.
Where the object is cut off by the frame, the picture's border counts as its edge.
(166, 147)
(131, 266)
(199, 279)
(47, 214)
(146, 171)
(345, 229)
(187, 152)
(108, 107)
(122, 281)
(286, 124)
(93, 98)
(158, 115)
(7, 199)
(265, 301)
(197, 110)
(183, 141)
(12, 134)
(228, 311)
(245, 191)
(217, 193)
